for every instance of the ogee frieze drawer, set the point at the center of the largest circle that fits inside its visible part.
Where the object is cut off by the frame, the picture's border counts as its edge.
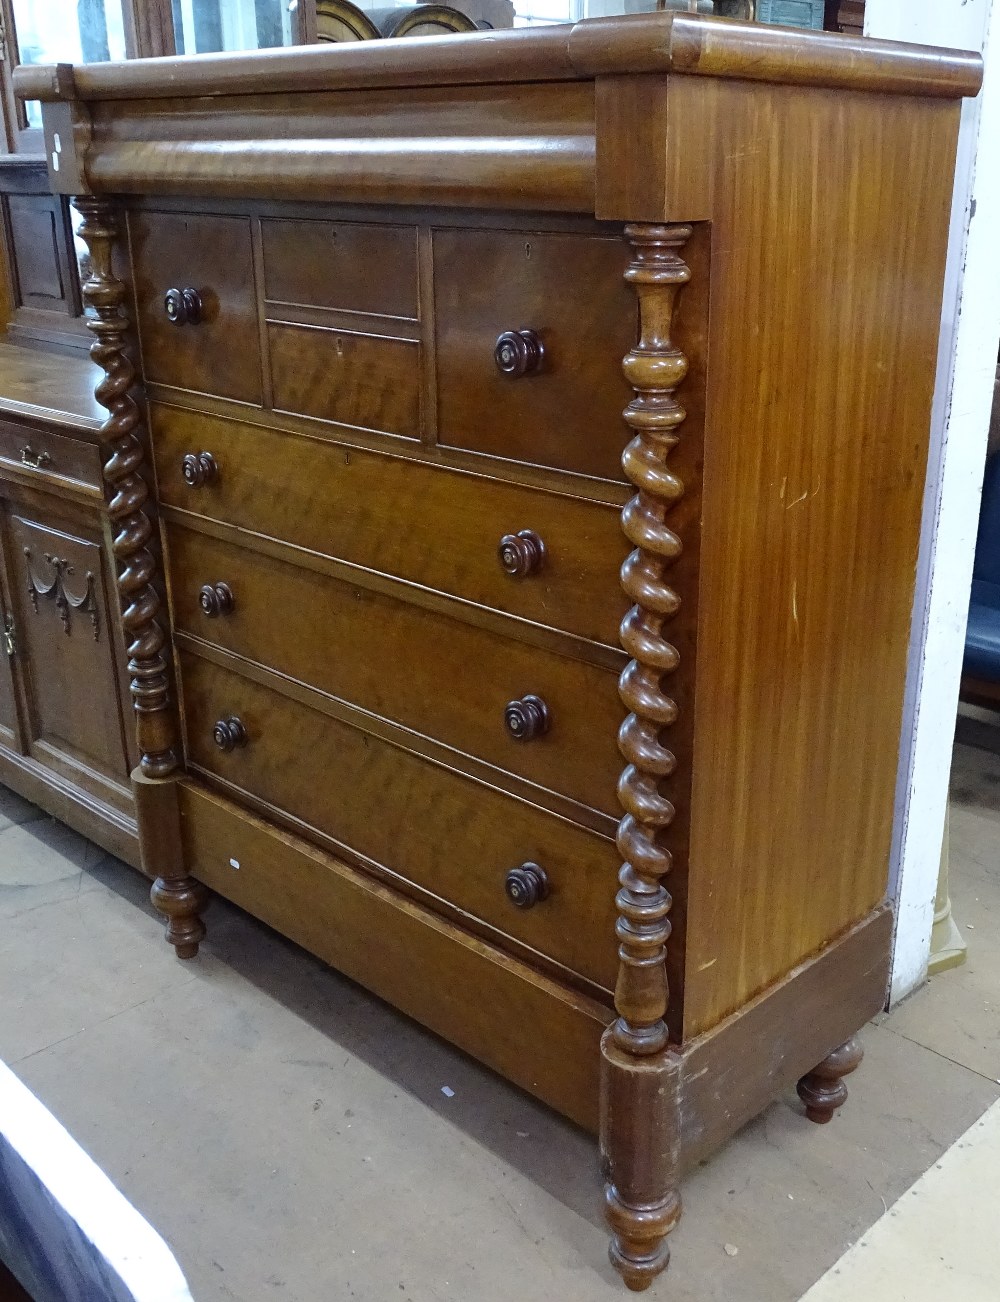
(510, 704)
(542, 556)
(197, 302)
(531, 332)
(542, 880)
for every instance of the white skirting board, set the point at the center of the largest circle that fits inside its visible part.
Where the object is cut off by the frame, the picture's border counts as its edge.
(965, 374)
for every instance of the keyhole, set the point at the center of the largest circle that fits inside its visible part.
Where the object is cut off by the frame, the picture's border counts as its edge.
(340, 347)
(527, 249)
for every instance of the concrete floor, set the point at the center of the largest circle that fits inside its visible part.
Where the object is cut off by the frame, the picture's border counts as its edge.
(289, 1137)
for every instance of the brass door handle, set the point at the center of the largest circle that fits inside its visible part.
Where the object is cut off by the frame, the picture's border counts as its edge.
(36, 460)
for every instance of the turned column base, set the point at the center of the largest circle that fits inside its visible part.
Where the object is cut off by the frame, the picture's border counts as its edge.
(181, 900)
(640, 1144)
(639, 1249)
(174, 893)
(823, 1090)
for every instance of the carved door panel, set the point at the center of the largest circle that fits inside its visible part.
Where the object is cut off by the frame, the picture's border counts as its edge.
(66, 649)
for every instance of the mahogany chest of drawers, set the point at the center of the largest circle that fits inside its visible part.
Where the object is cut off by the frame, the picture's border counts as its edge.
(538, 429)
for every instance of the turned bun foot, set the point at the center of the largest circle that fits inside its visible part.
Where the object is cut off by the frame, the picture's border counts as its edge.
(181, 900)
(639, 1250)
(823, 1090)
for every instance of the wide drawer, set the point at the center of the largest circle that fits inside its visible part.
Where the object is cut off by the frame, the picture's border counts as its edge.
(219, 351)
(568, 293)
(47, 453)
(430, 526)
(458, 680)
(452, 836)
(539, 1033)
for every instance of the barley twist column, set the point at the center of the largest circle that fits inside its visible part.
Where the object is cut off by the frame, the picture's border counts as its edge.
(174, 893)
(639, 1071)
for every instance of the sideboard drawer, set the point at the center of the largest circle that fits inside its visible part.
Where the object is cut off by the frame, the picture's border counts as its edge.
(459, 680)
(47, 453)
(425, 524)
(216, 349)
(452, 836)
(344, 265)
(568, 291)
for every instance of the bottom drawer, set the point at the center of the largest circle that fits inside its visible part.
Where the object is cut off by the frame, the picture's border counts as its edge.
(534, 1031)
(454, 837)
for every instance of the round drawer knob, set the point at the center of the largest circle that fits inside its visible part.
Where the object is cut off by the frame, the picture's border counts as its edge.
(518, 352)
(521, 553)
(526, 885)
(527, 718)
(199, 469)
(215, 599)
(229, 733)
(182, 306)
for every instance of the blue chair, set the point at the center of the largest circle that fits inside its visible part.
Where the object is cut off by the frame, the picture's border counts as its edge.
(981, 668)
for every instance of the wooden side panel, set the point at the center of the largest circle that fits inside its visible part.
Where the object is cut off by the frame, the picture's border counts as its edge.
(829, 230)
(535, 1032)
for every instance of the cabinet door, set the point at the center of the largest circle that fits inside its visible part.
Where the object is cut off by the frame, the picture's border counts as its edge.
(9, 735)
(67, 648)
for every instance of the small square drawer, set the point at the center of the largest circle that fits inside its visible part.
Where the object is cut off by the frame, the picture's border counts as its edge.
(341, 265)
(531, 333)
(197, 302)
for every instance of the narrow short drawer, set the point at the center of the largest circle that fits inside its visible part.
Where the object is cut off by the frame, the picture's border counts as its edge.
(566, 293)
(456, 838)
(349, 642)
(537, 1032)
(346, 376)
(46, 454)
(424, 524)
(345, 266)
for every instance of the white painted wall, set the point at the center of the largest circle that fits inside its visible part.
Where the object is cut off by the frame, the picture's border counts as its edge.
(966, 368)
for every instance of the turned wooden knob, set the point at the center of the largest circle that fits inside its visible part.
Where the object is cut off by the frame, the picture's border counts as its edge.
(199, 468)
(527, 718)
(526, 885)
(182, 306)
(229, 733)
(521, 553)
(518, 352)
(215, 599)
